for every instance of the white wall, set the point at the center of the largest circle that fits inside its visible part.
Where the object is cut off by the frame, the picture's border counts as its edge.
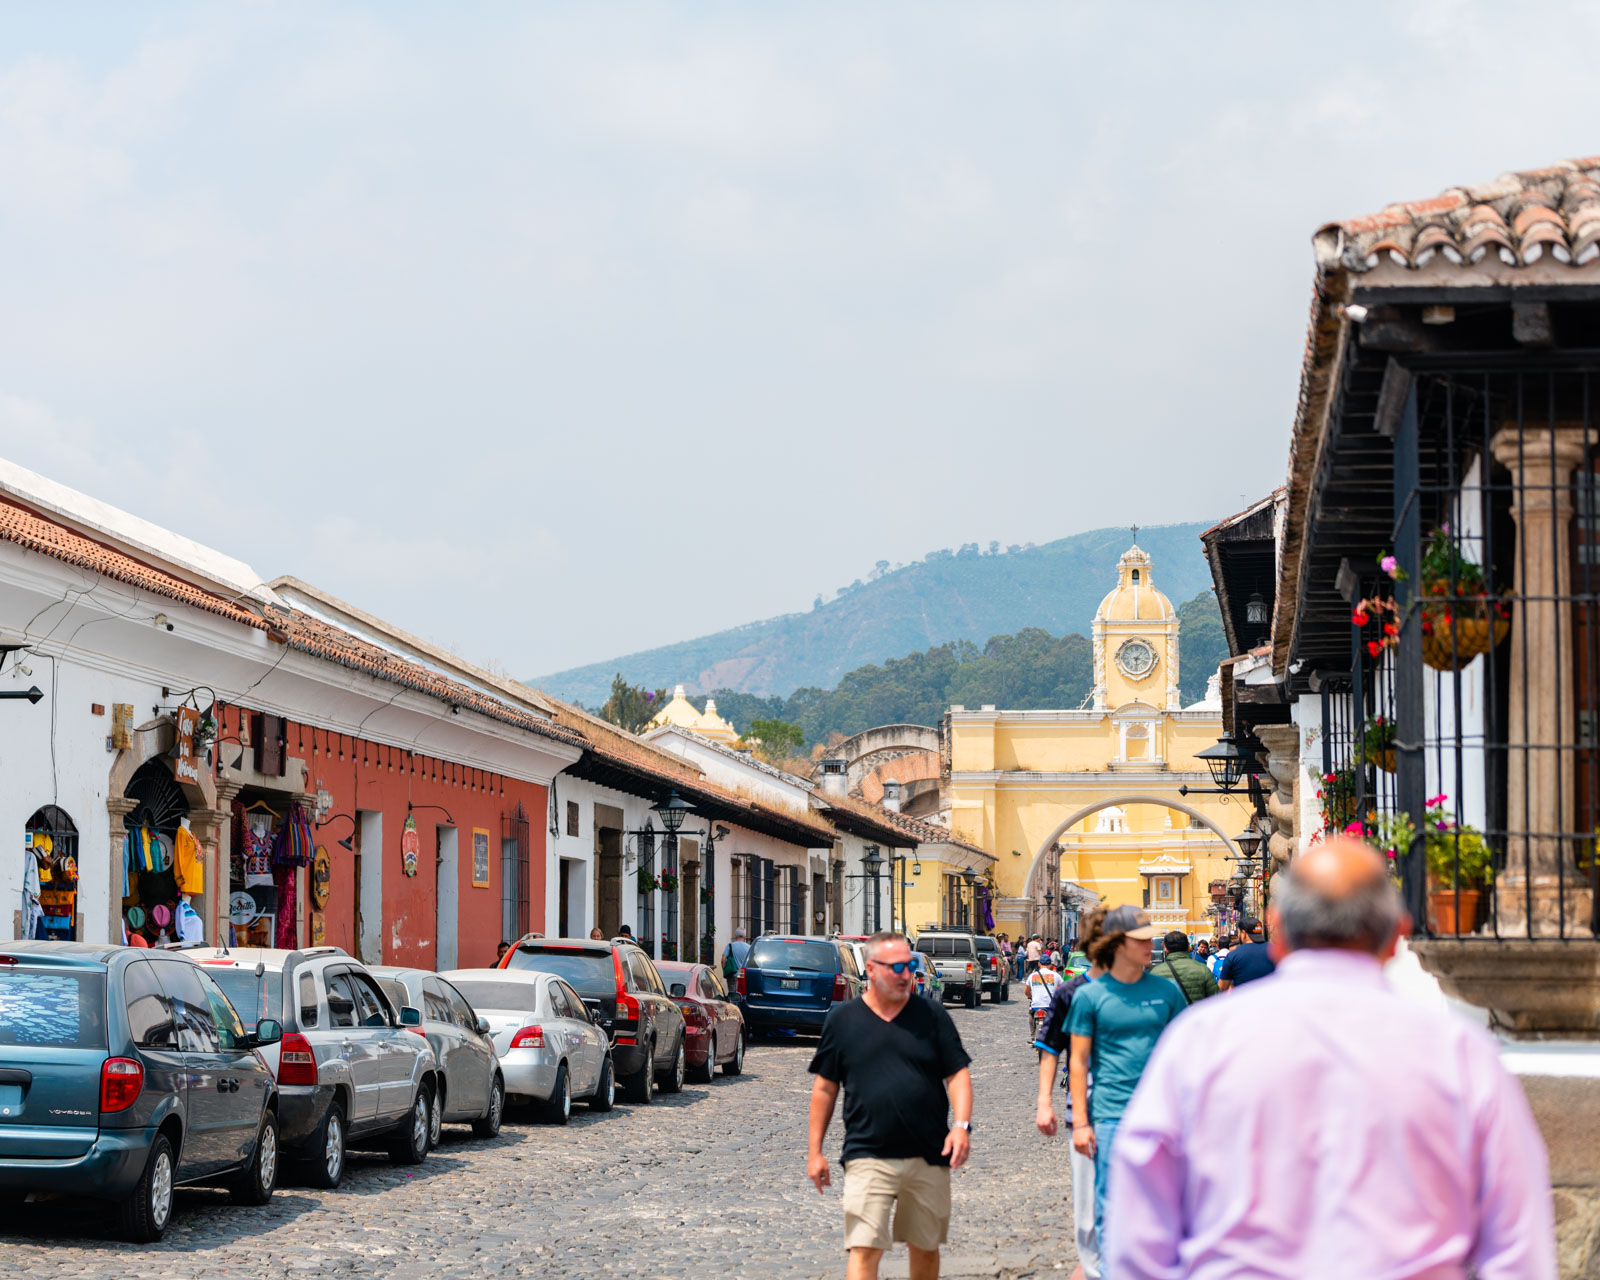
(580, 849)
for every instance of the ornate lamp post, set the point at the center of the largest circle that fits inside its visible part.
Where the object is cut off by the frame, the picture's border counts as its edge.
(872, 863)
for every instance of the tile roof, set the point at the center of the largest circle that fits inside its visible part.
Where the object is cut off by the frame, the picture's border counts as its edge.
(34, 532)
(311, 635)
(918, 831)
(1517, 218)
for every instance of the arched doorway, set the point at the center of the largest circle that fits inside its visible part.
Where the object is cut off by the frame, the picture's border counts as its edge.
(50, 877)
(149, 883)
(1033, 889)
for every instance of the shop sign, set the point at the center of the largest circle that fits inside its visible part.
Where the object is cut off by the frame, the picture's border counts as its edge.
(321, 877)
(241, 908)
(480, 858)
(186, 770)
(121, 726)
(319, 929)
(410, 846)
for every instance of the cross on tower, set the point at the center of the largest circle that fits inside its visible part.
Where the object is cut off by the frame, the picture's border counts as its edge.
(1134, 529)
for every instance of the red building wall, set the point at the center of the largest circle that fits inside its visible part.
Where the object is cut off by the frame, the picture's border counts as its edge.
(362, 777)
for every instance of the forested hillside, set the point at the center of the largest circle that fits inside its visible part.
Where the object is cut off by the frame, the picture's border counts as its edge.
(1025, 671)
(946, 598)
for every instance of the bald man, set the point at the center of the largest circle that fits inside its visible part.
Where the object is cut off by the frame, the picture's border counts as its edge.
(1360, 1135)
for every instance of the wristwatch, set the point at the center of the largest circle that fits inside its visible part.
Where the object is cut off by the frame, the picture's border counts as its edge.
(964, 1124)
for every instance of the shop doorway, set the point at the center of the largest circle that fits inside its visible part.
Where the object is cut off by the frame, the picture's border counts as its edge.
(564, 898)
(369, 886)
(49, 877)
(608, 868)
(689, 947)
(447, 898)
(149, 886)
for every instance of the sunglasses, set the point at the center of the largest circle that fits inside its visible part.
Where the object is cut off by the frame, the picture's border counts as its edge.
(899, 966)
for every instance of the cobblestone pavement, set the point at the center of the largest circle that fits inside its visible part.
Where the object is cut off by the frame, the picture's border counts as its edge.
(708, 1183)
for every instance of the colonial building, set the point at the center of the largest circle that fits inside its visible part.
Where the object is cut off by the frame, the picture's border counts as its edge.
(1091, 794)
(680, 713)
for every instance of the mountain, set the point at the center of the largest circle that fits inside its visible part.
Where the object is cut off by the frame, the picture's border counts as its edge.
(947, 596)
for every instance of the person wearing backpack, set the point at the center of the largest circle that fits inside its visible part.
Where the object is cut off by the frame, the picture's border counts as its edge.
(734, 957)
(1192, 977)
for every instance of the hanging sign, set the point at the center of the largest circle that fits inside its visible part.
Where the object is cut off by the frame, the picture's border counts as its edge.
(241, 908)
(186, 770)
(121, 726)
(410, 846)
(321, 877)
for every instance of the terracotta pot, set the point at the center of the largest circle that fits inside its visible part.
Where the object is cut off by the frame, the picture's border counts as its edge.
(1470, 624)
(1452, 912)
(1384, 759)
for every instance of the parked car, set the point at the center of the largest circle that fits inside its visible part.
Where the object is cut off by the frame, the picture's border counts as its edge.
(929, 983)
(350, 1072)
(125, 1073)
(550, 1048)
(790, 982)
(1077, 962)
(628, 1001)
(715, 1026)
(996, 978)
(955, 956)
(470, 1087)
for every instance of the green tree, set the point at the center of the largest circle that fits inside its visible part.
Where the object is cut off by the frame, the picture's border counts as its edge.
(631, 707)
(1202, 645)
(779, 738)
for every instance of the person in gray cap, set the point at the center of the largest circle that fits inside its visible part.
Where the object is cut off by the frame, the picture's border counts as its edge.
(1114, 1025)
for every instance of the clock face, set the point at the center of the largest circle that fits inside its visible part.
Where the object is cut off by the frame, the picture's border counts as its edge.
(1137, 659)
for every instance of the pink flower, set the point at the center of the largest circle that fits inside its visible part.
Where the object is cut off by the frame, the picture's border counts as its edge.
(1389, 564)
(1438, 799)
(1354, 829)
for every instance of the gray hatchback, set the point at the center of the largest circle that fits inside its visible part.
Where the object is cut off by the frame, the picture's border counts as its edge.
(125, 1073)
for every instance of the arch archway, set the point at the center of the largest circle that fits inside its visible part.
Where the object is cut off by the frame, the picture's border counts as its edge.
(1032, 889)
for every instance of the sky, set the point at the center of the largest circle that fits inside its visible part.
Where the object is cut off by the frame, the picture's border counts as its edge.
(552, 332)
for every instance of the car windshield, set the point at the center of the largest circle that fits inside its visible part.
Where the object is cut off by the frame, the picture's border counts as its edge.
(815, 957)
(485, 993)
(590, 973)
(52, 1010)
(253, 998)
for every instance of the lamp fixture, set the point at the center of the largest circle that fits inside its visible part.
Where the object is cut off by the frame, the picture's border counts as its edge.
(672, 811)
(439, 807)
(916, 867)
(1249, 840)
(872, 860)
(1227, 763)
(1255, 610)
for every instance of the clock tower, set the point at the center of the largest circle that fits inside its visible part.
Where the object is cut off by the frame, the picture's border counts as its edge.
(1135, 642)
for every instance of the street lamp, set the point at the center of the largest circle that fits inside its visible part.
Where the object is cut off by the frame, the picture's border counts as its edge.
(872, 863)
(1255, 610)
(1248, 841)
(1049, 902)
(1226, 762)
(672, 811)
(970, 878)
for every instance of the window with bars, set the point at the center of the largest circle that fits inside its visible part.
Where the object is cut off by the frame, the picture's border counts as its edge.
(572, 817)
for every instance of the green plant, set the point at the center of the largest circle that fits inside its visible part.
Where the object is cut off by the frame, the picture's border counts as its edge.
(1443, 565)
(1338, 796)
(1378, 737)
(668, 880)
(1451, 847)
(646, 882)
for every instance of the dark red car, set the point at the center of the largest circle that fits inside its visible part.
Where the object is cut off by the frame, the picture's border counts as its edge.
(715, 1025)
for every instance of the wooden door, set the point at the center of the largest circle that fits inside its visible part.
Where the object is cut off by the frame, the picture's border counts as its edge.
(609, 840)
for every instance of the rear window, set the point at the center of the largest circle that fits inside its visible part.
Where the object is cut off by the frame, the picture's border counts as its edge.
(590, 973)
(945, 946)
(253, 998)
(396, 991)
(484, 993)
(817, 957)
(52, 1010)
(986, 944)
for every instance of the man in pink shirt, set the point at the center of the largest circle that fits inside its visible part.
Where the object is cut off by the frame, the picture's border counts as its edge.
(1359, 1134)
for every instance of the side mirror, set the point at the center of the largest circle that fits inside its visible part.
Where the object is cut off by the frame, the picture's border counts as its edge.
(410, 1016)
(268, 1031)
(483, 1025)
(677, 989)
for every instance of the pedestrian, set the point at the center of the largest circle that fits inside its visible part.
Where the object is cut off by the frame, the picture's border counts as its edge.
(1418, 1158)
(1054, 1041)
(1041, 984)
(500, 952)
(1114, 1024)
(1034, 950)
(903, 1070)
(1249, 961)
(595, 934)
(1218, 956)
(734, 957)
(1192, 977)
(625, 932)
(1202, 954)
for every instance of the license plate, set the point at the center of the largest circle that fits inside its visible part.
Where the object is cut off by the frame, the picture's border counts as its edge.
(789, 984)
(10, 1100)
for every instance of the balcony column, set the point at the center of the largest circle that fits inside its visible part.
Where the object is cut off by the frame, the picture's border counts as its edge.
(1530, 893)
(1282, 742)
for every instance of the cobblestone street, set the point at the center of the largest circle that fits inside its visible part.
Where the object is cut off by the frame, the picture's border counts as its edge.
(707, 1184)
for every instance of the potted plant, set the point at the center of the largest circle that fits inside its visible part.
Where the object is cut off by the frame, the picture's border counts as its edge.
(646, 882)
(1338, 796)
(1460, 619)
(1377, 742)
(1460, 864)
(669, 880)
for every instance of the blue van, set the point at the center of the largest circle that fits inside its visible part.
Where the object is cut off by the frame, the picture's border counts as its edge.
(791, 982)
(125, 1073)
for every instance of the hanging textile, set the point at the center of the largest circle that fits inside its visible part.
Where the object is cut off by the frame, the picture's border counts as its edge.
(285, 939)
(294, 846)
(32, 912)
(189, 866)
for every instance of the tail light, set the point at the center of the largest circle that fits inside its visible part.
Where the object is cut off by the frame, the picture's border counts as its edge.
(296, 1063)
(528, 1038)
(840, 990)
(692, 1013)
(419, 1030)
(121, 1082)
(627, 1007)
(969, 968)
(738, 982)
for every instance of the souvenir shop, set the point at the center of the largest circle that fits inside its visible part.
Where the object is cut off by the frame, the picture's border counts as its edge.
(161, 862)
(271, 842)
(49, 877)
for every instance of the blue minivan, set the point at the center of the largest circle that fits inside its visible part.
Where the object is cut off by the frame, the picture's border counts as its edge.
(790, 983)
(125, 1073)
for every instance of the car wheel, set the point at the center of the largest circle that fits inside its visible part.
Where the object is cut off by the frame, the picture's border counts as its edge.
(604, 1096)
(488, 1126)
(736, 1066)
(971, 1000)
(256, 1180)
(1005, 991)
(559, 1109)
(436, 1119)
(672, 1081)
(326, 1167)
(410, 1142)
(143, 1216)
(703, 1073)
(641, 1086)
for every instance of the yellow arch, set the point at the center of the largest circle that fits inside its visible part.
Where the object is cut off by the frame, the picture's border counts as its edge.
(1032, 890)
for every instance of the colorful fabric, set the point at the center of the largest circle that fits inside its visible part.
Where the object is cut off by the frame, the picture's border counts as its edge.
(189, 866)
(294, 846)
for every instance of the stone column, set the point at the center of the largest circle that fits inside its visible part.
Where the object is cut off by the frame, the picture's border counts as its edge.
(1282, 742)
(213, 828)
(119, 807)
(1540, 736)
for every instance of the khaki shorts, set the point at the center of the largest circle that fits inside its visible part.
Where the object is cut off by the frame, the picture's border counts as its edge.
(914, 1192)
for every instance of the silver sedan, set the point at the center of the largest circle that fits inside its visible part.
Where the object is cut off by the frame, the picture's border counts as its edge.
(551, 1052)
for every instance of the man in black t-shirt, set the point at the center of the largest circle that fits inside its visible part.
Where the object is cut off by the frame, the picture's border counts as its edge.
(903, 1069)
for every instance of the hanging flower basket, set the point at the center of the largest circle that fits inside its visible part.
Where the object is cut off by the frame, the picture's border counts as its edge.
(1378, 742)
(647, 883)
(1454, 634)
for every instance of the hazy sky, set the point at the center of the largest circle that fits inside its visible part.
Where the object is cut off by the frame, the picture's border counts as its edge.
(557, 331)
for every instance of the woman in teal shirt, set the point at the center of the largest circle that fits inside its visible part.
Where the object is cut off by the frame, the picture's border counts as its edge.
(1114, 1024)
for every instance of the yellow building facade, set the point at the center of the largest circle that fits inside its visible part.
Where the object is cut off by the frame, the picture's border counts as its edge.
(1090, 795)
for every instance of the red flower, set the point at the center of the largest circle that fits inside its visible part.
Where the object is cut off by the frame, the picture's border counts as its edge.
(1389, 629)
(1374, 648)
(1360, 618)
